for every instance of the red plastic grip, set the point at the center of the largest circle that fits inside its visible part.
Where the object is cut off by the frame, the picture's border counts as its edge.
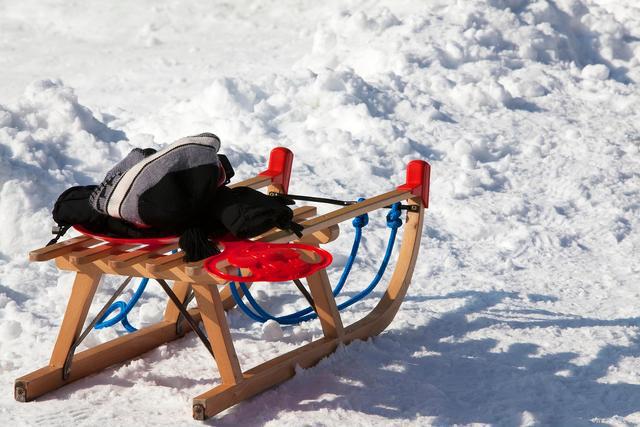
(279, 169)
(418, 179)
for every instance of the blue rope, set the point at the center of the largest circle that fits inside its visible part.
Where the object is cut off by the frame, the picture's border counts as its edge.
(260, 315)
(124, 308)
(241, 304)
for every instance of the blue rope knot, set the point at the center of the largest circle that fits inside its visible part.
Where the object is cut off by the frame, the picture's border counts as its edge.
(124, 309)
(393, 217)
(361, 220)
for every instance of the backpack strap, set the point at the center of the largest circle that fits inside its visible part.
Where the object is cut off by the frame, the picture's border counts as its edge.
(59, 231)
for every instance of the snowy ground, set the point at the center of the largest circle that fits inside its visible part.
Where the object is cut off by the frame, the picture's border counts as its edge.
(523, 309)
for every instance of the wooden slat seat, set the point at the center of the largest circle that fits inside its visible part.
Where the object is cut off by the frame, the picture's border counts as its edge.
(97, 252)
(50, 252)
(139, 255)
(165, 262)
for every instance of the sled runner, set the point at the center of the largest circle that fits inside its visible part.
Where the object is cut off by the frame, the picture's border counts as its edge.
(271, 255)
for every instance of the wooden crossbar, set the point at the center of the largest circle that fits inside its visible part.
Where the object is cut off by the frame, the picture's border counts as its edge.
(54, 251)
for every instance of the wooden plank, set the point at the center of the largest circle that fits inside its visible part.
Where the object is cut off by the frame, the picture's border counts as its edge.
(87, 362)
(137, 270)
(139, 255)
(339, 215)
(194, 268)
(256, 182)
(215, 323)
(165, 262)
(50, 252)
(97, 252)
(325, 236)
(304, 212)
(84, 288)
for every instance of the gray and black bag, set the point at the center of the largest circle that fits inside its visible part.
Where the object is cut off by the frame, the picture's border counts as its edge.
(177, 190)
(171, 189)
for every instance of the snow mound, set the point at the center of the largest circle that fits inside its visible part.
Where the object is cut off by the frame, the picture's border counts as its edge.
(513, 32)
(48, 142)
(523, 308)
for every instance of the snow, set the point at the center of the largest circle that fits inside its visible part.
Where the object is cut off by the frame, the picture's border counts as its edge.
(272, 331)
(523, 308)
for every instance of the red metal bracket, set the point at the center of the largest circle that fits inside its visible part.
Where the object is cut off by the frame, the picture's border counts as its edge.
(279, 169)
(418, 180)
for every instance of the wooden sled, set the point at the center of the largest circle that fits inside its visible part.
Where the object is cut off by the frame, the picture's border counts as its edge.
(91, 259)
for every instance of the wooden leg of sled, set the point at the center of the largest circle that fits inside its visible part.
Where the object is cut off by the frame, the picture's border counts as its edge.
(84, 288)
(261, 378)
(215, 323)
(325, 304)
(281, 368)
(95, 359)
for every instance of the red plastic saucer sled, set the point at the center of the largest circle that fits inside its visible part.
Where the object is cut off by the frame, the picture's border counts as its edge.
(267, 262)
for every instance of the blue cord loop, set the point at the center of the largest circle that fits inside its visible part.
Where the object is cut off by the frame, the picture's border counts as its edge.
(125, 308)
(360, 221)
(257, 313)
(393, 217)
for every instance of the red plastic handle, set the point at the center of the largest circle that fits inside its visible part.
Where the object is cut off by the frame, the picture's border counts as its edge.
(279, 169)
(418, 180)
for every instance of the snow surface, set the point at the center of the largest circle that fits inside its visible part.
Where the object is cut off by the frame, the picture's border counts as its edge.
(523, 309)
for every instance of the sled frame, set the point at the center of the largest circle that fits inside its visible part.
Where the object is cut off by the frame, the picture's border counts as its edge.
(91, 259)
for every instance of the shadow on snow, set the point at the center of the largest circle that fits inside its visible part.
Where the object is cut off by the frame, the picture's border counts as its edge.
(392, 376)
